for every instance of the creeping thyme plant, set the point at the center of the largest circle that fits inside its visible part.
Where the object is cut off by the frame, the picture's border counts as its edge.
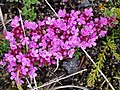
(49, 40)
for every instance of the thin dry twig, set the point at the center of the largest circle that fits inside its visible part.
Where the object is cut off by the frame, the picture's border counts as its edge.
(29, 85)
(57, 80)
(1, 4)
(21, 22)
(59, 18)
(57, 65)
(1, 17)
(98, 68)
(70, 86)
(20, 12)
(35, 83)
(102, 84)
(52, 8)
(6, 22)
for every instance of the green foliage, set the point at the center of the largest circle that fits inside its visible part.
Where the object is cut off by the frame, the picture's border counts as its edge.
(113, 12)
(109, 46)
(112, 47)
(4, 44)
(77, 54)
(28, 10)
(100, 60)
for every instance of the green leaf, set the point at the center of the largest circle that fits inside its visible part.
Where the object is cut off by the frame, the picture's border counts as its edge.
(34, 1)
(25, 11)
(107, 12)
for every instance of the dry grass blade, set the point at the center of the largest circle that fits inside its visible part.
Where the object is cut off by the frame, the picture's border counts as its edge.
(52, 8)
(29, 85)
(57, 80)
(20, 12)
(57, 65)
(35, 83)
(70, 86)
(1, 17)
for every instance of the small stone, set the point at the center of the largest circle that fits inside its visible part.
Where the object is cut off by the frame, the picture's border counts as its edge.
(85, 3)
(71, 65)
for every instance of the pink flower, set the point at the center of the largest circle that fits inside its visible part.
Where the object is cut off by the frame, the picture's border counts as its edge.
(31, 72)
(58, 56)
(25, 41)
(50, 21)
(88, 12)
(35, 37)
(13, 75)
(25, 61)
(33, 44)
(34, 53)
(91, 42)
(74, 41)
(24, 70)
(43, 44)
(81, 20)
(75, 31)
(88, 30)
(56, 42)
(65, 45)
(51, 39)
(15, 22)
(102, 33)
(64, 0)
(103, 21)
(3, 63)
(13, 45)
(41, 23)
(30, 25)
(9, 36)
(62, 13)
(53, 62)
(83, 44)
(19, 57)
(70, 53)
(46, 55)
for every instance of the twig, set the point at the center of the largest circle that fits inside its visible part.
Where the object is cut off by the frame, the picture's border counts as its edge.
(1, 17)
(70, 86)
(35, 83)
(21, 22)
(98, 69)
(22, 27)
(52, 8)
(29, 85)
(102, 84)
(57, 65)
(1, 4)
(59, 18)
(48, 83)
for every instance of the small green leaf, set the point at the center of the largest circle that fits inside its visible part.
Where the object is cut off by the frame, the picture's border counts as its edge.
(34, 1)
(25, 11)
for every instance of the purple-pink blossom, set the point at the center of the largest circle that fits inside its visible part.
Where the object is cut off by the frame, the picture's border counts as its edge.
(50, 40)
(15, 22)
(64, 0)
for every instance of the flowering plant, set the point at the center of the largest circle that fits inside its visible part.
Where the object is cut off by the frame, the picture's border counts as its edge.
(51, 39)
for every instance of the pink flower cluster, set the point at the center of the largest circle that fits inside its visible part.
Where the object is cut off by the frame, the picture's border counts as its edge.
(50, 40)
(64, 0)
